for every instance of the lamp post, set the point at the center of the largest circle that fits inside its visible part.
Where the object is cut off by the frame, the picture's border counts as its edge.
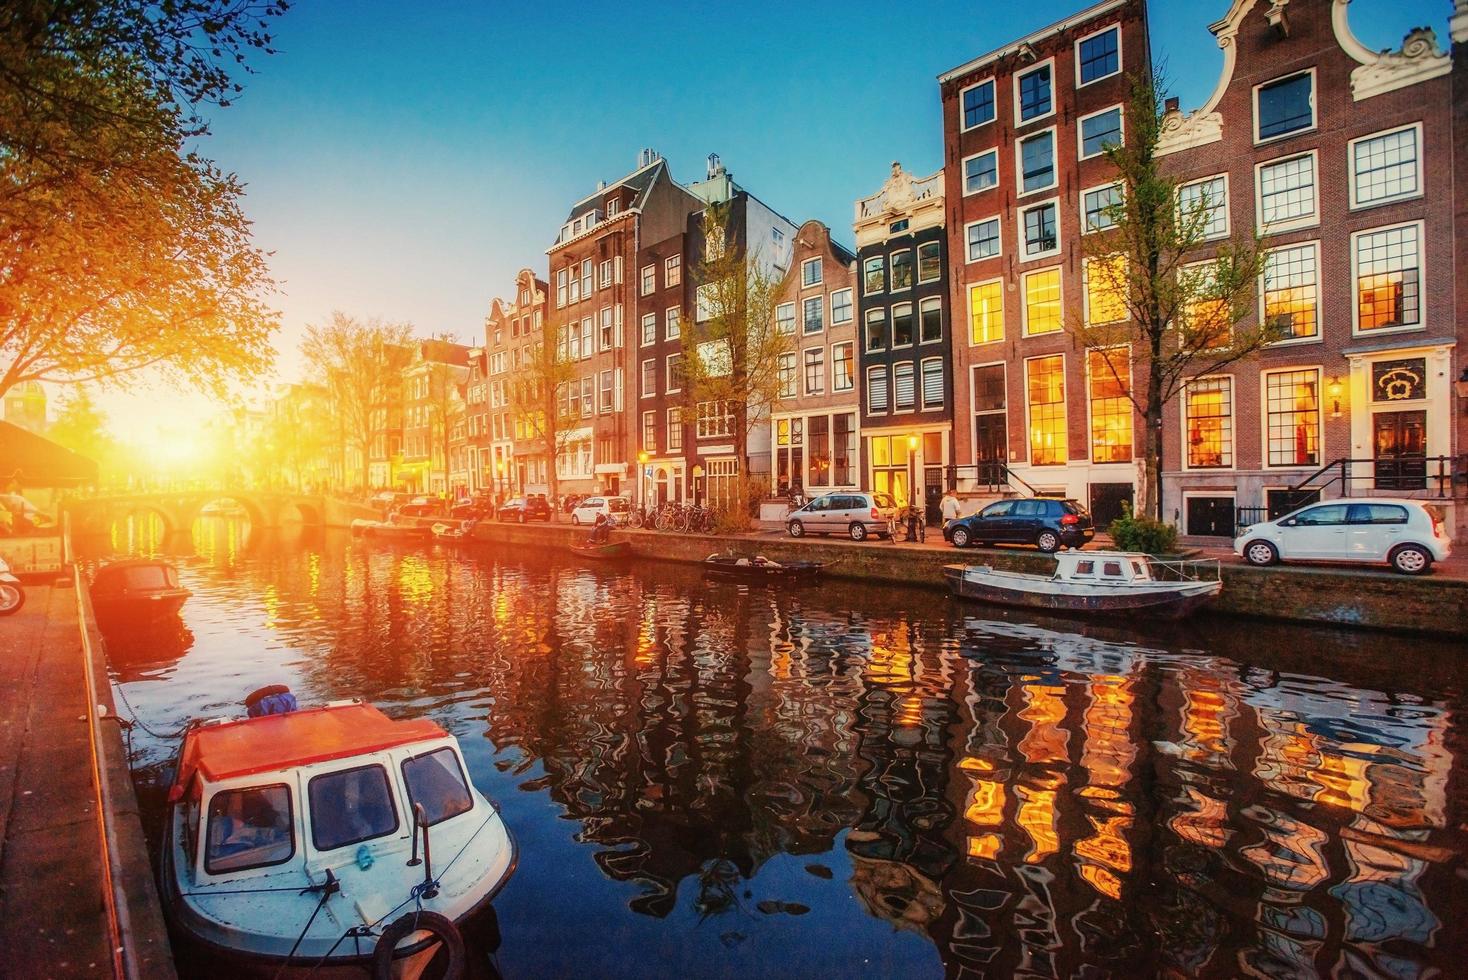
(912, 441)
(642, 458)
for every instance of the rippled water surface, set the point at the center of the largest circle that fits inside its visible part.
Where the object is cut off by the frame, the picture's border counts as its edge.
(843, 780)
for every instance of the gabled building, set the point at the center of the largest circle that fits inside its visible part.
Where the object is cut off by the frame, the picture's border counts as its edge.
(815, 431)
(430, 387)
(516, 460)
(477, 462)
(905, 369)
(385, 450)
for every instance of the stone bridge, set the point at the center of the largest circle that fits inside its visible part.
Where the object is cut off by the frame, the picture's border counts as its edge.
(179, 509)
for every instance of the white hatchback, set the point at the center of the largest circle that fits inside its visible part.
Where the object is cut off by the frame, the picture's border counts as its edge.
(1406, 534)
(616, 509)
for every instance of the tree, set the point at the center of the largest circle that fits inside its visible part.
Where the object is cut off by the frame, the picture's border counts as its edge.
(82, 427)
(543, 405)
(1165, 303)
(119, 251)
(360, 363)
(732, 355)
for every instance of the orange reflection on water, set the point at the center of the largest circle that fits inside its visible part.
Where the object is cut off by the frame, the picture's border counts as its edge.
(1036, 817)
(1045, 742)
(1109, 751)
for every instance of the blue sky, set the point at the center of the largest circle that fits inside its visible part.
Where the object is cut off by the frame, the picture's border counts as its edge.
(404, 160)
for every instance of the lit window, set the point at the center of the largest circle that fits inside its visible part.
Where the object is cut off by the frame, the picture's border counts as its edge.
(930, 262)
(1292, 399)
(1388, 264)
(1100, 207)
(1207, 321)
(810, 272)
(1287, 192)
(876, 329)
(843, 376)
(1100, 131)
(1037, 162)
(841, 306)
(978, 104)
(981, 172)
(785, 318)
(1205, 202)
(1034, 94)
(1210, 422)
(1111, 406)
(1046, 393)
(874, 275)
(933, 383)
(877, 389)
(902, 270)
(815, 371)
(904, 391)
(986, 312)
(1106, 287)
(1285, 106)
(983, 239)
(1385, 167)
(1290, 295)
(1042, 302)
(785, 370)
(1041, 237)
(902, 325)
(1099, 55)
(930, 320)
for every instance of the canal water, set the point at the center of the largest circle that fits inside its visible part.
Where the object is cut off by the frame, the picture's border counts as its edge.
(843, 780)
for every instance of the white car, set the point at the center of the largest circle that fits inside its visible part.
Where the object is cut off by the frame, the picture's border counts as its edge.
(1405, 534)
(616, 509)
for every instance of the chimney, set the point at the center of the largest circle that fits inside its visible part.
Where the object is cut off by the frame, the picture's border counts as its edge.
(1171, 104)
(601, 185)
(715, 167)
(646, 157)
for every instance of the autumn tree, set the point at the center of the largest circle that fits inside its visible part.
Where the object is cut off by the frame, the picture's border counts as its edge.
(360, 363)
(1167, 301)
(121, 251)
(543, 405)
(731, 356)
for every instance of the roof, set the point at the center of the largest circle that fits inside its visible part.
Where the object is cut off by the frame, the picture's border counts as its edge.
(638, 180)
(1079, 17)
(35, 461)
(445, 352)
(245, 746)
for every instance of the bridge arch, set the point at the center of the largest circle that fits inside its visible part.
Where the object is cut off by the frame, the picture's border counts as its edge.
(193, 507)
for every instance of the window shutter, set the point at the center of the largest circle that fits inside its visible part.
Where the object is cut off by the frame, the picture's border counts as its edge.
(903, 382)
(877, 390)
(932, 384)
(617, 329)
(617, 391)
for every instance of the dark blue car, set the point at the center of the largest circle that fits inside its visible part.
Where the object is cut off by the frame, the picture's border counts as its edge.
(1048, 523)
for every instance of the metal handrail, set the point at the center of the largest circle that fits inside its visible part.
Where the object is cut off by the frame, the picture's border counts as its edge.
(994, 474)
(1449, 470)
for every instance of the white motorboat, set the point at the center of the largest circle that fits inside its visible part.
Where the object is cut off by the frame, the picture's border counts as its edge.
(328, 836)
(1105, 582)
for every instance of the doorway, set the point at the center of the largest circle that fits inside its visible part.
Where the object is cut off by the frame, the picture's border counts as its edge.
(1211, 517)
(1399, 443)
(989, 438)
(1106, 502)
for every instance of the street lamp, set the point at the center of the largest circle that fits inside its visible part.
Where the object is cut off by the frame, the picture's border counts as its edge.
(642, 458)
(912, 442)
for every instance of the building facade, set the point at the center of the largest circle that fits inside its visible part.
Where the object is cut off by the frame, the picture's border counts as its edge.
(431, 385)
(514, 459)
(905, 359)
(477, 463)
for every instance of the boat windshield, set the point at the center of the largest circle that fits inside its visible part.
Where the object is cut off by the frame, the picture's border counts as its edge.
(147, 578)
(435, 780)
(249, 828)
(350, 806)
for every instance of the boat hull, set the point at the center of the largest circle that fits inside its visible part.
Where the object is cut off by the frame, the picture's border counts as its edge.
(613, 549)
(1159, 601)
(139, 608)
(793, 571)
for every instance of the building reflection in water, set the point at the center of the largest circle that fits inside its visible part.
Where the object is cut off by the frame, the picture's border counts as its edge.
(1031, 799)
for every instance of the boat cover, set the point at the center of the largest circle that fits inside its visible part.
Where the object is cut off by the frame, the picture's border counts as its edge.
(275, 742)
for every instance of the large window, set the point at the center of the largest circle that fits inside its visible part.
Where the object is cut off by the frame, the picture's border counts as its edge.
(1287, 193)
(1099, 206)
(930, 261)
(902, 325)
(978, 104)
(1037, 162)
(813, 314)
(1099, 56)
(930, 320)
(1292, 400)
(933, 383)
(815, 371)
(983, 239)
(1042, 302)
(1291, 299)
(1388, 272)
(715, 419)
(981, 171)
(986, 312)
(1099, 131)
(1209, 420)
(874, 275)
(785, 318)
(1111, 408)
(902, 270)
(1106, 285)
(818, 451)
(1386, 167)
(1035, 93)
(1046, 393)
(843, 376)
(843, 450)
(350, 806)
(841, 306)
(1206, 202)
(785, 374)
(1285, 106)
(876, 329)
(249, 828)
(904, 391)
(877, 388)
(1041, 235)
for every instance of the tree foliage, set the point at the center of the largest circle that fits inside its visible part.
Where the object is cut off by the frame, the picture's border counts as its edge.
(119, 250)
(1165, 302)
(360, 363)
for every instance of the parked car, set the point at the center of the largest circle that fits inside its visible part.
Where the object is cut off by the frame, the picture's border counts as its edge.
(616, 509)
(1048, 523)
(854, 514)
(524, 509)
(476, 508)
(1405, 534)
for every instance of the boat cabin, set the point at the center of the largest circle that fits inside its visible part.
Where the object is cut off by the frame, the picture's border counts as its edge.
(318, 788)
(1103, 567)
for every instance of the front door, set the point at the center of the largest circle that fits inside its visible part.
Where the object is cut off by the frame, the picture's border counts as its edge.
(1211, 516)
(1107, 500)
(1400, 441)
(989, 448)
(933, 494)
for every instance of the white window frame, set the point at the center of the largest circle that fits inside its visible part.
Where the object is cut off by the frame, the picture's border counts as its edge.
(1228, 224)
(1086, 293)
(892, 286)
(1292, 224)
(780, 306)
(650, 421)
(669, 362)
(1054, 94)
(924, 301)
(867, 380)
(672, 315)
(1019, 166)
(675, 425)
(861, 271)
(850, 305)
(642, 378)
(963, 171)
(1233, 415)
(1086, 229)
(820, 273)
(1024, 303)
(804, 377)
(851, 359)
(1029, 425)
(804, 303)
(969, 288)
(1020, 231)
(999, 238)
(918, 258)
(911, 304)
(647, 281)
(1421, 323)
(646, 338)
(1321, 453)
(968, 88)
(1080, 130)
(1091, 403)
(922, 401)
(671, 263)
(1351, 167)
(892, 391)
(1076, 55)
(1314, 106)
(793, 391)
(1319, 293)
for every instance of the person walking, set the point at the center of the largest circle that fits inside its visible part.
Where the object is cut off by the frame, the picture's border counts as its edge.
(949, 507)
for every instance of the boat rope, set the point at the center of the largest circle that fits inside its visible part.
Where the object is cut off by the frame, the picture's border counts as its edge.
(327, 888)
(122, 696)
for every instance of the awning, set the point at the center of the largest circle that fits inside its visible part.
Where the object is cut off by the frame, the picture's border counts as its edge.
(34, 461)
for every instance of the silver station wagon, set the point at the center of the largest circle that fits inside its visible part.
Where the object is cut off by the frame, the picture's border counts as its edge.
(856, 515)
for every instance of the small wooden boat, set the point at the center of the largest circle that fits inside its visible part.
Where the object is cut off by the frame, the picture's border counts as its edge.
(393, 530)
(1099, 582)
(605, 550)
(758, 568)
(135, 591)
(331, 836)
(452, 532)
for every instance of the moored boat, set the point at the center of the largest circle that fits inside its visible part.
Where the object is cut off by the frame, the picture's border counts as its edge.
(136, 590)
(1098, 582)
(758, 568)
(452, 532)
(604, 550)
(394, 530)
(327, 836)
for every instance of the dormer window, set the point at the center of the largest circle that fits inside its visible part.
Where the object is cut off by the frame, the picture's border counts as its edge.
(613, 206)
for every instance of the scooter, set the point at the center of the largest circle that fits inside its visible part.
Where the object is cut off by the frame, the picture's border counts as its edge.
(12, 595)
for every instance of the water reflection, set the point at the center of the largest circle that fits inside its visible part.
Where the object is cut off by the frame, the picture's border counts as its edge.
(842, 780)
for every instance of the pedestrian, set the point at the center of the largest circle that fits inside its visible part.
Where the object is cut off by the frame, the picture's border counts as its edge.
(949, 507)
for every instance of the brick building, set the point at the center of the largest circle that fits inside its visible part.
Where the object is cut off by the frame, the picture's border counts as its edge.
(905, 360)
(1343, 159)
(385, 449)
(515, 460)
(815, 431)
(1024, 130)
(476, 423)
(430, 389)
